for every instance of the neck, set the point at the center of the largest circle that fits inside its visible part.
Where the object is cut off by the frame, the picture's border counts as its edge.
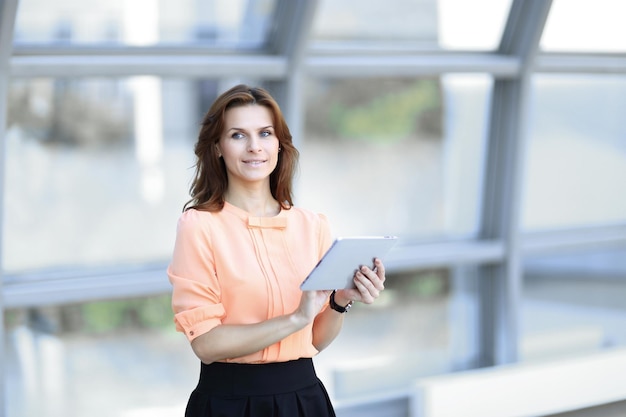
(258, 205)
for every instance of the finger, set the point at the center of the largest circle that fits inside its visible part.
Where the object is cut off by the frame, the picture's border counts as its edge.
(371, 287)
(380, 269)
(365, 295)
(373, 278)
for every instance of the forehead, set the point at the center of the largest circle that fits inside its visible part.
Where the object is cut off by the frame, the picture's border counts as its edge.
(250, 116)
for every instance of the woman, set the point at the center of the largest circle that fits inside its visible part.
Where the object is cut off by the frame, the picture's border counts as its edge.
(242, 249)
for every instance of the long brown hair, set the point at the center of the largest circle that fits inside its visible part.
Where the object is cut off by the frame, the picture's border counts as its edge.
(210, 180)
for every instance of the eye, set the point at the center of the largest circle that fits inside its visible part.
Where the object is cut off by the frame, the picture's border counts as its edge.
(266, 133)
(237, 135)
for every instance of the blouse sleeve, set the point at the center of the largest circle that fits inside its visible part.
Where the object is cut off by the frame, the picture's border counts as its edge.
(196, 294)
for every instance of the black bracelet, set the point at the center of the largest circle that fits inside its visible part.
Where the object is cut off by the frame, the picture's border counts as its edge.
(336, 306)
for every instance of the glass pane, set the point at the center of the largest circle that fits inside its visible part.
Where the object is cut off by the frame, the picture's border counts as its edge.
(576, 160)
(399, 20)
(395, 156)
(472, 25)
(574, 303)
(585, 26)
(144, 22)
(448, 24)
(60, 360)
(421, 325)
(98, 169)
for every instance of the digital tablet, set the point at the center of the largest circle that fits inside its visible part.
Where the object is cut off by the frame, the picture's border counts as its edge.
(337, 267)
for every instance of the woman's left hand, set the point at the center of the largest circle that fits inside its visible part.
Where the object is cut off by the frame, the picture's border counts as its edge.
(369, 284)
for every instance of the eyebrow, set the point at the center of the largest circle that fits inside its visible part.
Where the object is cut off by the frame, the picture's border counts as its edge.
(244, 129)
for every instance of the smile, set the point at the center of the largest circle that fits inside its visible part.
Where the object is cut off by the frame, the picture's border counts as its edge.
(254, 162)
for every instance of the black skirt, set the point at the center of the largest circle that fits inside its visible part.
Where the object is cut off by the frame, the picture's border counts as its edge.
(282, 389)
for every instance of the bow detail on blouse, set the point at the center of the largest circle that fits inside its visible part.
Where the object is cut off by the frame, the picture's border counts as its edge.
(277, 222)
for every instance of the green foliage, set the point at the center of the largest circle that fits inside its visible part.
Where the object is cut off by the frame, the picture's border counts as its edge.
(424, 284)
(103, 316)
(391, 116)
(106, 316)
(11, 318)
(155, 312)
(428, 284)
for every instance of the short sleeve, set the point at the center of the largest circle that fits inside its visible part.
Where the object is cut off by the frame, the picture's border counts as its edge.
(196, 294)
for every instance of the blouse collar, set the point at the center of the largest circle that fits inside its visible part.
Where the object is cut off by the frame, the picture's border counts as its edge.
(276, 222)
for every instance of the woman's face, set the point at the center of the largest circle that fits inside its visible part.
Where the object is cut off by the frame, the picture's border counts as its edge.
(248, 144)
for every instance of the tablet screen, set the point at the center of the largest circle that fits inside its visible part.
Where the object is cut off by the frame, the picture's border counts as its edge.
(337, 267)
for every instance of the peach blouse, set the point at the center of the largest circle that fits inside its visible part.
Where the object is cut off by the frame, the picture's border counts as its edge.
(231, 268)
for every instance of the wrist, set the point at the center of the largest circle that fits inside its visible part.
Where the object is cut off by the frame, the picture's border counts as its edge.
(335, 305)
(341, 299)
(298, 320)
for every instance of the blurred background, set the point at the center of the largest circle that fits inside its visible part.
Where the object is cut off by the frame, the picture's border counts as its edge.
(488, 135)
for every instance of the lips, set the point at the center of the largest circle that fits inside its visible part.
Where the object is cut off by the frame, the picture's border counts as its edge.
(255, 161)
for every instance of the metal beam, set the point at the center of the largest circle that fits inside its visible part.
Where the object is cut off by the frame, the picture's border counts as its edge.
(190, 66)
(191, 49)
(500, 284)
(86, 62)
(52, 287)
(443, 255)
(56, 287)
(292, 25)
(44, 288)
(554, 242)
(8, 11)
(290, 32)
(414, 65)
(34, 61)
(581, 63)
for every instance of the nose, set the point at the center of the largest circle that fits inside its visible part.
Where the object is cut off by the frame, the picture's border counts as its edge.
(254, 143)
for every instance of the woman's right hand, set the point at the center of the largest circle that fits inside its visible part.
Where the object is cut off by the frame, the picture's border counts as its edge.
(311, 303)
(228, 341)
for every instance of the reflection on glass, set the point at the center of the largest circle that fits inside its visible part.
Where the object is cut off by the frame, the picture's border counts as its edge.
(395, 156)
(574, 304)
(425, 24)
(398, 20)
(420, 326)
(472, 25)
(576, 159)
(98, 169)
(60, 360)
(228, 23)
(585, 26)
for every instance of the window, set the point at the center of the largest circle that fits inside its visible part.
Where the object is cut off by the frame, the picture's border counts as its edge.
(60, 360)
(396, 156)
(576, 160)
(573, 303)
(221, 23)
(98, 170)
(585, 26)
(423, 24)
(420, 326)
